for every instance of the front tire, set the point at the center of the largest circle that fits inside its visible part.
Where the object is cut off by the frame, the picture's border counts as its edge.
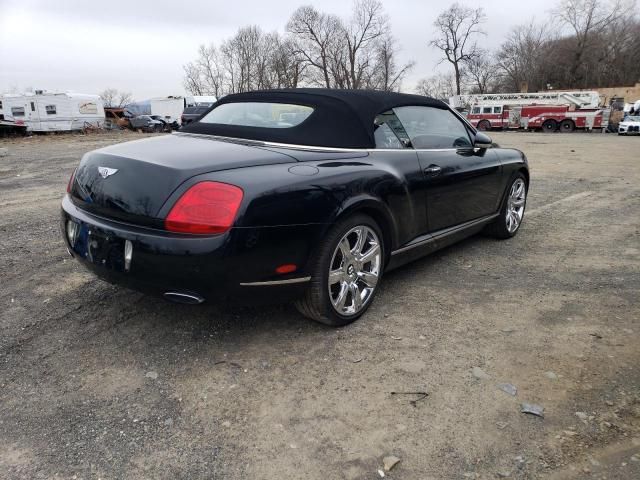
(346, 272)
(484, 126)
(512, 210)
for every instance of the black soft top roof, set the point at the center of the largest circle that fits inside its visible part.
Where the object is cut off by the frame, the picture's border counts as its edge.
(341, 118)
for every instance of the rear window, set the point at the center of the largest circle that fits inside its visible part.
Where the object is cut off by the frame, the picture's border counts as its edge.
(195, 110)
(258, 114)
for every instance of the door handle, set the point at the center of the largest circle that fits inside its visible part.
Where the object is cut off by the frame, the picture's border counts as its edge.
(433, 170)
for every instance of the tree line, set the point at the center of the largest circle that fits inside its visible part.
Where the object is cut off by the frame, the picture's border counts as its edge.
(580, 44)
(317, 49)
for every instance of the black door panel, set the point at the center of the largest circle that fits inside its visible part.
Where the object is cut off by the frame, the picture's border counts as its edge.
(461, 185)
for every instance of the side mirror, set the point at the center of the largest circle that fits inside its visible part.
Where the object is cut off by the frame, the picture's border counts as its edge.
(482, 140)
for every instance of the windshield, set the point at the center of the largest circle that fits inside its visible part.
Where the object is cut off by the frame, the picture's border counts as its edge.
(634, 118)
(258, 114)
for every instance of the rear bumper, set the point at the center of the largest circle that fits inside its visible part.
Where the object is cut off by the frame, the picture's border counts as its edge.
(238, 265)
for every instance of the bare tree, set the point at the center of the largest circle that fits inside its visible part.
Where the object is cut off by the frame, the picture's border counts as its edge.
(317, 35)
(587, 19)
(289, 66)
(480, 72)
(249, 60)
(357, 52)
(521, 58)
(241, 56)
(320, 49)
(440, 86)
(456, 30)
(193, 79)
(204, 76)
(368, 24)
(211, 73)
(619, 55)
(112, 98)
(388, 75)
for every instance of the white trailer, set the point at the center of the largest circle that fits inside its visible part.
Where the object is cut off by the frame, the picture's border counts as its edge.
(199, 100)
(44, 111)
(169, 108)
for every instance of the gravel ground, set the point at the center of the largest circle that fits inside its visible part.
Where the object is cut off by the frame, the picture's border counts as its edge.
(100, 382)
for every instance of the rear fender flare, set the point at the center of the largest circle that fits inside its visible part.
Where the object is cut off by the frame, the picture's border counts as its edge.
(378, 210)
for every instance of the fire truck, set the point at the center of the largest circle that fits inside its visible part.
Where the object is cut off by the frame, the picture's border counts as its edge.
(546, 111)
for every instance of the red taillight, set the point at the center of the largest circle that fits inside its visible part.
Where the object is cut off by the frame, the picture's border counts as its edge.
(70, 184)
(207, 207)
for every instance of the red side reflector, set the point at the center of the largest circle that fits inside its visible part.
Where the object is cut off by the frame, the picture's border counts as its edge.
(287, 268)
(206, 208)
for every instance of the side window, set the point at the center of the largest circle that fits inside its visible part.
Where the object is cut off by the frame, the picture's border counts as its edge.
(497, 109)
(433, 128)
(33, 106)
(17, 111)
(486, 110)
(389, 132)
(0, 104)
(476, 110)
(50, 109)
(385, 138)
(88, 108)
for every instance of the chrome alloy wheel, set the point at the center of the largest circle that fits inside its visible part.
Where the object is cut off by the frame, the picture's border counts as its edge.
(515, 205)
(354, 270)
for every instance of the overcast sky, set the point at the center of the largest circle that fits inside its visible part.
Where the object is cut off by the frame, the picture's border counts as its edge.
(140, 45)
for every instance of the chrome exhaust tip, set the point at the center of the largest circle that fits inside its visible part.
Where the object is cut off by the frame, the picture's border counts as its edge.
(183, 297)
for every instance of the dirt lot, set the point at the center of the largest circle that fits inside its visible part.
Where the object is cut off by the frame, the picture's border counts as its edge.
(100, 382)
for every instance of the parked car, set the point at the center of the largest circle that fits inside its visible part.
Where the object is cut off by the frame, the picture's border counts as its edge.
(191, 114)
(146, 123)
(242, 204)
(115, 118)
(168, 124)
(629, 126)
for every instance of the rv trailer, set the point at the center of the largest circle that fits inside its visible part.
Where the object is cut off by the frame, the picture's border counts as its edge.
(44, 111)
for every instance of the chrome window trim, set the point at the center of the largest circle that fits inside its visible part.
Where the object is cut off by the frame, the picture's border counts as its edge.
(292, 146)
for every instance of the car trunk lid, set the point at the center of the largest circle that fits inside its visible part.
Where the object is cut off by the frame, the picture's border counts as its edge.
(131, 181)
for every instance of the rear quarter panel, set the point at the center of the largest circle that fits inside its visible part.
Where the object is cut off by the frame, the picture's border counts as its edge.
(321, 191)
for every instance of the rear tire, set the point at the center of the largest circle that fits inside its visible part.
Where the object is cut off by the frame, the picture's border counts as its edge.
(356, 271)
(549, 126)
(512, 209)
(567, 126)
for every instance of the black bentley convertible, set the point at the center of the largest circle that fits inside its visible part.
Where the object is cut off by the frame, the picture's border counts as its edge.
(307, 195)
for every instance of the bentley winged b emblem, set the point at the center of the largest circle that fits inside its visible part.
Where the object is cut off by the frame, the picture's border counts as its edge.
(106, 172)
